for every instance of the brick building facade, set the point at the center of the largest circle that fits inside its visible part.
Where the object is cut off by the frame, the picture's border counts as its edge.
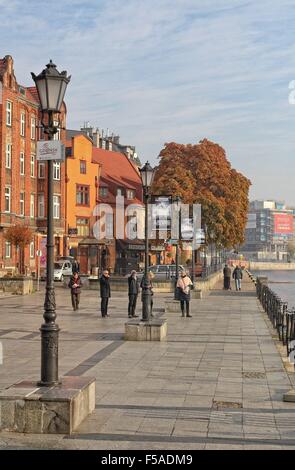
(23, 187)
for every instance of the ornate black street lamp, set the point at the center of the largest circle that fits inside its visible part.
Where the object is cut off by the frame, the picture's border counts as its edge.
(147, 176)
(51, 87)
(177, 201)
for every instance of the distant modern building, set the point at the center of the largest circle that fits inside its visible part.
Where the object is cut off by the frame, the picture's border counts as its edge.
(269, 229)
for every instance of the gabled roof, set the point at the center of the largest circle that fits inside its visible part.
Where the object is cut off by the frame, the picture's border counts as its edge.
(117, 172)
(32, 94)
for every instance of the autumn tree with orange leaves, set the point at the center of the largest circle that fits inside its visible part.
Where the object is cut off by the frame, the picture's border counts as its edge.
(20, 236)
(202, 174)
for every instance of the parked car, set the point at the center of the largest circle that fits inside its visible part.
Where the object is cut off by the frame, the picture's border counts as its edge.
(66, 258)
(62, 268)
(162, 272)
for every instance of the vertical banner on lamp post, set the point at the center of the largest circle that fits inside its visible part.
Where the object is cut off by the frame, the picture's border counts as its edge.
(43, 250)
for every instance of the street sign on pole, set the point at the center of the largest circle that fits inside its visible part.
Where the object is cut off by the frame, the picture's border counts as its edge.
(50, 150)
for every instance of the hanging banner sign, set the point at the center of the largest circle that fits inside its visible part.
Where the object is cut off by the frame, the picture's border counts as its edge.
(50, 150)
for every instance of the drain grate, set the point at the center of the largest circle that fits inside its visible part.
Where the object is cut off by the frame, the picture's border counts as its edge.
(221, 405)
(253, 375)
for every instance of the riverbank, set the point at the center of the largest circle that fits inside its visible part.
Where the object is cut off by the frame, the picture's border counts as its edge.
(268, 266)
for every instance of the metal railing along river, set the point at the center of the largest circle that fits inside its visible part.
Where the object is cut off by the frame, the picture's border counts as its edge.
(281, 317)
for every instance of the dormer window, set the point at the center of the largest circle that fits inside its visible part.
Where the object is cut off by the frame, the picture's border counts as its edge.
(103, 192)
(130, 194)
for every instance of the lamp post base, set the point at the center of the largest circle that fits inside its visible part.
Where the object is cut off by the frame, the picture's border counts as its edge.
(27, 408)
(49, 355)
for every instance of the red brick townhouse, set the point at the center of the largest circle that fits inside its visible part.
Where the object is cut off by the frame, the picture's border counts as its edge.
(119, 176)
(23, 186)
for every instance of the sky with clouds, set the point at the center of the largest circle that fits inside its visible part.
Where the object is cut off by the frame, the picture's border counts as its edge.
(156, 71)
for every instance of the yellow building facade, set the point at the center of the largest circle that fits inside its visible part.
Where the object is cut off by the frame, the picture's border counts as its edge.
(82, 185)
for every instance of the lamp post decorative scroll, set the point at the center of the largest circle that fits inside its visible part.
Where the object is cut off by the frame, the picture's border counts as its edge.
(51, 87)
(147, 176)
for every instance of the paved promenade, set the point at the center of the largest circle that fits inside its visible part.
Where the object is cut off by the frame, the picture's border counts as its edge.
(216, 383)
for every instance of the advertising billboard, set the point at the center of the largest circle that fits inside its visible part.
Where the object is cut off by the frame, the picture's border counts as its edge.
(283, 224)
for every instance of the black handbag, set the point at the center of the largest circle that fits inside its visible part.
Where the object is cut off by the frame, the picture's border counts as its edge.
(178, 293)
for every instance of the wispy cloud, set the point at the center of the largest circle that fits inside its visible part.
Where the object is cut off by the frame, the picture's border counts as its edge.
(181, 70)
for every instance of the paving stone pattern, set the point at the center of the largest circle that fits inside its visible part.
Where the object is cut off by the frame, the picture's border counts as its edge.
(216, 383)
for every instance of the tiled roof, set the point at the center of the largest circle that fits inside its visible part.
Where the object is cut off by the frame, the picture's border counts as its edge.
(117, 172)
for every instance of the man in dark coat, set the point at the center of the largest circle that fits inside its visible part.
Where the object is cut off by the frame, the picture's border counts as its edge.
(226, 277)
(105, 292)
(75, 267)
(75, 285)
(238, 276)
(133, 291)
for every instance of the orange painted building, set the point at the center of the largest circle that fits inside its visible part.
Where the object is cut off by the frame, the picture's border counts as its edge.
(82, 182)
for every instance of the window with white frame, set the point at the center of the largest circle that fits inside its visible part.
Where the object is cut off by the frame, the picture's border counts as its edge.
(32, 206)
(22, 204)
(22, 124)
(32, 170)
(7, 199)
(130, 194)
(56, 136)
(56, 171)
(56, 207)
(22, 163)
(82, 226)
(32, 250)
(7, 249)
(41, 170)
(33, 127)
(8, 155)
(8, 113)
(41, 206)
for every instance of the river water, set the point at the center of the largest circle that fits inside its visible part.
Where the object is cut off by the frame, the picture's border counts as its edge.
(282, 282)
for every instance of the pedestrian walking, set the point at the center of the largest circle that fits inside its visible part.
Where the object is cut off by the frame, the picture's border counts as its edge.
(75, 285)
(150, 287)
(184, 285)
(105, 292)
(75, 267)
(238, 276)
(133, 291)
(226, 277)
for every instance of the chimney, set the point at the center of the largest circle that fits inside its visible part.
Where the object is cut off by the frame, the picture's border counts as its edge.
(96, 138)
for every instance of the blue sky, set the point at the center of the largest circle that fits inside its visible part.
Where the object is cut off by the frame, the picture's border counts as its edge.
(156, 71)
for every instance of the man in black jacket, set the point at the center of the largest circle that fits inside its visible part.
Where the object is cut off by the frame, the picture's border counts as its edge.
(133, 291)
(105, 292)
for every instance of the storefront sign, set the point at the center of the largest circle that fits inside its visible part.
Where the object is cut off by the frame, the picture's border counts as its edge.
(136, 247)
(73, 231)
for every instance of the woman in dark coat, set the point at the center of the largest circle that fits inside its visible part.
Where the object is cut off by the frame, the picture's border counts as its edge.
(75, 285)
(184, 285)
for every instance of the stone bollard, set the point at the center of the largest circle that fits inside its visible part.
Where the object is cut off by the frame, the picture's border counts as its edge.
(196, 294)
(172, 306)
